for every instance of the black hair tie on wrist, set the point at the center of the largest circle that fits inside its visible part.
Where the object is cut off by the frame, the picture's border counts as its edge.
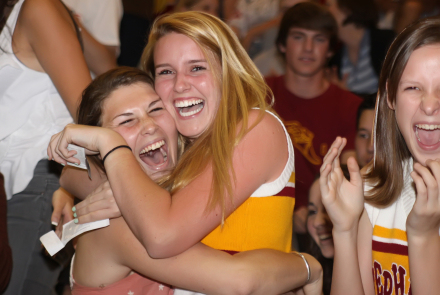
(114, 149)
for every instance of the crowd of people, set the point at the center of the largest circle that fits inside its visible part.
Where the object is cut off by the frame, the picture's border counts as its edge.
(237, 147)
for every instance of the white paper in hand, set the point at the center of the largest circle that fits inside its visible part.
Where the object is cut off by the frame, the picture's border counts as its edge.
(70, 230)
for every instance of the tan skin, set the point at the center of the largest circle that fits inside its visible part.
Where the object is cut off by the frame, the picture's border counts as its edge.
(417, 103)
(177, 223)
(107, 255)
(45, 40)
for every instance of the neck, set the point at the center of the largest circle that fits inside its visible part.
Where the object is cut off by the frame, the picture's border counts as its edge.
(306, 87)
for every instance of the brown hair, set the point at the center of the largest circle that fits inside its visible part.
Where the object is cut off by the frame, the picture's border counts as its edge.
(309, 16)
(93, 97)
(242, 88)
(385, 173)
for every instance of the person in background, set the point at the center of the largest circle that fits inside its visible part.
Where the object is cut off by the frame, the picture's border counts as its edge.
(208, 6)
(319, 227)
(412, 10)
(42, 75)
(363, 143)
(269, 62)
(356, 65)
(314, 110)
(99, 21)
(5, 249)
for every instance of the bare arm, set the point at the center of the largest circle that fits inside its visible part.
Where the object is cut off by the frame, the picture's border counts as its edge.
(423, 230)
(344, 203)
(45, 26)
(200, 268)
(168, 226)
(99, 58)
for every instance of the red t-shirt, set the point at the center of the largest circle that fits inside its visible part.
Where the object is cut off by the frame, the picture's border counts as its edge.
(313, 125)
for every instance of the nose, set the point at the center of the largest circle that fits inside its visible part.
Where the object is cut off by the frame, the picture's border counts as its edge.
(181, 83)
(430, 103)
(319, 219)
(149, 126)
(370, 147)
(308, 44)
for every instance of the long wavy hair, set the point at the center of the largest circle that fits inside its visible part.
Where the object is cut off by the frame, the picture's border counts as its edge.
(385, 173)
(242, 88)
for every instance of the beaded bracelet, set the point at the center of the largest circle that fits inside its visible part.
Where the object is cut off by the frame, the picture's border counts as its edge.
(309, 271)
(114, 149)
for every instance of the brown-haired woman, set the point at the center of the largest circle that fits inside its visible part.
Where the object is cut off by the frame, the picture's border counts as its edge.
(124, 100)
(396, 233)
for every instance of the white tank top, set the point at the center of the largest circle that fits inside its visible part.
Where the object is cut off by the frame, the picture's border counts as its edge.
(31, 111)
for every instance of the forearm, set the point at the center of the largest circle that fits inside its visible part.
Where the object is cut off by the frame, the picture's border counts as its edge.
(98, 57)
(424, 255)
(346, 269)
(77, 182)
(153, 225)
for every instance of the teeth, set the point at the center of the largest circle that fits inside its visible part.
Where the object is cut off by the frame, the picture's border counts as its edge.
(164, 154)
(428, 127)
(323, 237)
(187, 103)
(187, 114)
(152, 147)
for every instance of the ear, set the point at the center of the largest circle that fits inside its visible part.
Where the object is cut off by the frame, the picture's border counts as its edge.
(389, 103)
(329, 54)
(282, 48)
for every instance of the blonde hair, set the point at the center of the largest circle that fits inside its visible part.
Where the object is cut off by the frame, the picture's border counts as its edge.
(242, 88)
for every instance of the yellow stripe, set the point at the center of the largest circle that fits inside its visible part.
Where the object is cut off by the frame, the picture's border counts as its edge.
(257, 223)
(387, 233)
(292, 177)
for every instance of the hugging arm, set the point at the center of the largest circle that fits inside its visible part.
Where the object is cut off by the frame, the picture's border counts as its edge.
(166, 226)
(344, 202)
(210, 271)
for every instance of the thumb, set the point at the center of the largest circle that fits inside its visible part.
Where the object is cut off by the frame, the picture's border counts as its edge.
(353, 169)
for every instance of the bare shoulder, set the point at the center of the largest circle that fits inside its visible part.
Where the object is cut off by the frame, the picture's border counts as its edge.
(267, 123)
(35, 12)
(266, 141)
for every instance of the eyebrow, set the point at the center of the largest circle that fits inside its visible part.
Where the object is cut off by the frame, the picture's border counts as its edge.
(154, 102)
(121, 115)
(192, 61)
(311, 204)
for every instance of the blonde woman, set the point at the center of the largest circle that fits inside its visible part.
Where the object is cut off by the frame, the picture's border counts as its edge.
(239, 158)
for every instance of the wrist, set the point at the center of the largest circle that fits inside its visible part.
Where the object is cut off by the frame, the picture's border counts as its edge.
(109, 142)
(314, 266)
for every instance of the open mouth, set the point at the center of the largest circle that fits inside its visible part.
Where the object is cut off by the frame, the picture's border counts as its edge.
(190, 107)
(428, 134)
(325, 237)
(155, 155)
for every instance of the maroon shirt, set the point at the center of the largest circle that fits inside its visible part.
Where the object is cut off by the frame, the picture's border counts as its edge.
(313, 124)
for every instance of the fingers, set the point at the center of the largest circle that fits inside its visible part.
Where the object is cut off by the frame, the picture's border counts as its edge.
(98, 215)
(426, 184)
(353, 169)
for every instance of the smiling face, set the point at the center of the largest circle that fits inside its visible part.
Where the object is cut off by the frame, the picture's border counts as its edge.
(318, 222)
(186, 84)
(306, 51)
(417, 105)
(363, 142)
(138, 115)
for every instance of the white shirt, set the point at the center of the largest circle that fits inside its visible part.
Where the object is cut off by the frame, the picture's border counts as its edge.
(101, 18)
(31, 111)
